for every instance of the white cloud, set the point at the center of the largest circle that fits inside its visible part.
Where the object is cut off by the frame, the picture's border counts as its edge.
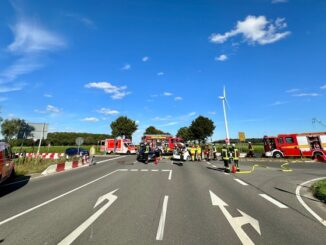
(212, 112)
(222, 57)
(178, 98)
(167, 94)
(323, 87)
(48, 95)
(90, 119)
(115, 91)
(293, 90)
(306, 95)
(3, 99)
(5, 88)
(166, 118)
(279, 1)
(107, 111)
(192, 114)
(145, 58)
(255, 30)
(169, 124)
(31, 37)
(126, 67)
(160, 73)
(277, 103)
(82, 19)
(52, 109)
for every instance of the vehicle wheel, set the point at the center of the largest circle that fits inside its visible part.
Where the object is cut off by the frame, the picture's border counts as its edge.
(277, 154)
(128, 152)
(188, 158)
(316, 155)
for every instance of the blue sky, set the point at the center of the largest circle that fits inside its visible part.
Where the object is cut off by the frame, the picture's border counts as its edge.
(163, 63)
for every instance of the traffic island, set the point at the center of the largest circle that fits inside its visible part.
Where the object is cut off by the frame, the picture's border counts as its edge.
(319, 190)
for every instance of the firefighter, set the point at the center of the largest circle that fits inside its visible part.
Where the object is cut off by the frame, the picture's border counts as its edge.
(146, 153)
(250, 150)
(198, 149)
(225, 158)
(235, 156)
(214, 152)
(193, 152)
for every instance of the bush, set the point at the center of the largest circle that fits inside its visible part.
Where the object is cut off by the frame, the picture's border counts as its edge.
(319, 190)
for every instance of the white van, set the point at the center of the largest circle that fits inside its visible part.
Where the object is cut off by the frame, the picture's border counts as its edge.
(6, 162)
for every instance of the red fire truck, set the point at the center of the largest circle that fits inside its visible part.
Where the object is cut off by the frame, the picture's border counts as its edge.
(296, 145)
(165, 142)
(120, 146)
(6, 162)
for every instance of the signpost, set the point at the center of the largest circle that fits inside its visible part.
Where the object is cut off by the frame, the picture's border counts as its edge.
(79, 141)
(242, 138)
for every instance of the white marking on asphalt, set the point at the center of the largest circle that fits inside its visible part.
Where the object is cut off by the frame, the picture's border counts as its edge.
(56, 198)
(80, 229)
(209, 163)
(297, 193)
(241, 182)
(236, 222)
(214, 166)
(154, 170)
(107, 160)
(144, 170)
(272, 200)
(134, 162)
(134, 170)
(123, 170)
(226, 173)
(168, 170)
(160, 230)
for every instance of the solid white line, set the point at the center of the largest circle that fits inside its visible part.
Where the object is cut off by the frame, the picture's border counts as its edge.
(297, 193)
(160, 230)
(133, 170)
(123, 170)
(241, 182)
(209, 163)
(144, 170)
(170, 175)
(214, 166)
(226, 173)
(154, 170)
(165, 170)
(55, 198)
(272, 200)
(111, 159)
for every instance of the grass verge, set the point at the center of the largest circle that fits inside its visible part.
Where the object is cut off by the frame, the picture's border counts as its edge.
(319, 190)
(25, 166)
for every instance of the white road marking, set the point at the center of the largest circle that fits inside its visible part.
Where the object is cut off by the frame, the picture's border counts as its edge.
(80, 229)
(209, 163)
(241, 182)
(168, 170)
(236, 222)
(134, 170)
(134, 162)
(226, 173)
(154, 170)
(144, 170)
(214, 166)
(111, 159)
(123, 170)
(272, 200)
(160, 230)
(55, 198)
(297, 193)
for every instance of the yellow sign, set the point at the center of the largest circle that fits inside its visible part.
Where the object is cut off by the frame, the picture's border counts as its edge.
(242, 136)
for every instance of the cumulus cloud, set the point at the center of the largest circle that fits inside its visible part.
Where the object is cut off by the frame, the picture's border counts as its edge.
(222, 57)
(306, 95)
(126, 67)
(167, 94)
(160, 73)
(90, 119)
(255, 29)
(115, 91)
(145, 58)
(52, 109)
(178, 98)
(107, 111)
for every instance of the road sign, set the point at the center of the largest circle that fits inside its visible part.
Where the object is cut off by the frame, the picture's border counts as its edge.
(79, 141)
(242, 136)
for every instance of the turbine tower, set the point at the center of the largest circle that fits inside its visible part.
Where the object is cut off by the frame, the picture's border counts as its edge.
(224, 101)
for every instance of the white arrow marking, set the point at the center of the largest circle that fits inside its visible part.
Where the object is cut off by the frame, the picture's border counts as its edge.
(80, 229)
(236, 222)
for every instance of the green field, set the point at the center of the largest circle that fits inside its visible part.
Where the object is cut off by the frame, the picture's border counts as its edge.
(45, 149)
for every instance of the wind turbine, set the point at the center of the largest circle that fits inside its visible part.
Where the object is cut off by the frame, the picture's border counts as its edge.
(224, 101)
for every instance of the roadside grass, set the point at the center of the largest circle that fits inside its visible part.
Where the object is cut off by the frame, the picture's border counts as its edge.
(319, 190)
(46, 149)
(25, 166)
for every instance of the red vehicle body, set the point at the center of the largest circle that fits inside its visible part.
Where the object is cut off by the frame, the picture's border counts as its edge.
(165, 142)
(296, 145)
(6, 162)
(120, 146)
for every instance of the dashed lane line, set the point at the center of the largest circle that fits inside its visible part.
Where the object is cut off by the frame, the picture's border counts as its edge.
(241, 182)
(272, 200)
(160, 230)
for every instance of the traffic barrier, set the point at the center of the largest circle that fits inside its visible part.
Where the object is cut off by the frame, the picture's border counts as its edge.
(60, 167)
(42, 155)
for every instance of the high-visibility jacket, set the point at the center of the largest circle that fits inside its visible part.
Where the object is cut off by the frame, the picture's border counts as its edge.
(198, 150)
(225, 154)
(147, 149)
(192, 150)
(235, 154)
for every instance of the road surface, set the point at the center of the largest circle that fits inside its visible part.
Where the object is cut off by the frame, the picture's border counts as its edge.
(125, 202)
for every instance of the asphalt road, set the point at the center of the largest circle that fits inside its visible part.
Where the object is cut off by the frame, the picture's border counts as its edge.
(125, 202)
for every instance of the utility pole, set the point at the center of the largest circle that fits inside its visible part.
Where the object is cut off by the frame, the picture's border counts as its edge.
(223, 98)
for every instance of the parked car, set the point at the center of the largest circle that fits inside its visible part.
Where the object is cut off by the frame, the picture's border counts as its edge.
(141, 154)
(73, 151)
(7, 169)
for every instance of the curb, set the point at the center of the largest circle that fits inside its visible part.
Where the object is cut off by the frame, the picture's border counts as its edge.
(60, 167)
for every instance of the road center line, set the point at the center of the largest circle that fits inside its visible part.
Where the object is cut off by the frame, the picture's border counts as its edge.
(226, 173)
(144, 170)
(160, 230)
(272, 200)
(241, 182)
(134, 170)
(154, 170)
(297, 193)
(55, 198)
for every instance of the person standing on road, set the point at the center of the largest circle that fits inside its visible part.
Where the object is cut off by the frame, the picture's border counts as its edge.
(235, 156)
(225, 158)
(250, 150)
(193, 152)
(214, 152)
(146, 153)
(92, 151)
(198, 153)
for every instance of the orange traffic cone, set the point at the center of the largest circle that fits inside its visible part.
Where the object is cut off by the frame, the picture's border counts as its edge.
(234, 169)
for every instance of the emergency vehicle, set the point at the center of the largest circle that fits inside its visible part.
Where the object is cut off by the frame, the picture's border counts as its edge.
(165, 142)
(296, 145)
(6, 162)
(120, 146)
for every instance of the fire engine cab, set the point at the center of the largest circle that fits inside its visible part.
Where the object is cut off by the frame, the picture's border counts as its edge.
(6, 162)
(120, 146)
(165, 142)
(296, 145)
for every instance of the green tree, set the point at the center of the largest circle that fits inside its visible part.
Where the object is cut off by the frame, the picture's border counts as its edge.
(201, 128)
(123, 126)
(153, 130)
(16, 128)
(184, 133)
